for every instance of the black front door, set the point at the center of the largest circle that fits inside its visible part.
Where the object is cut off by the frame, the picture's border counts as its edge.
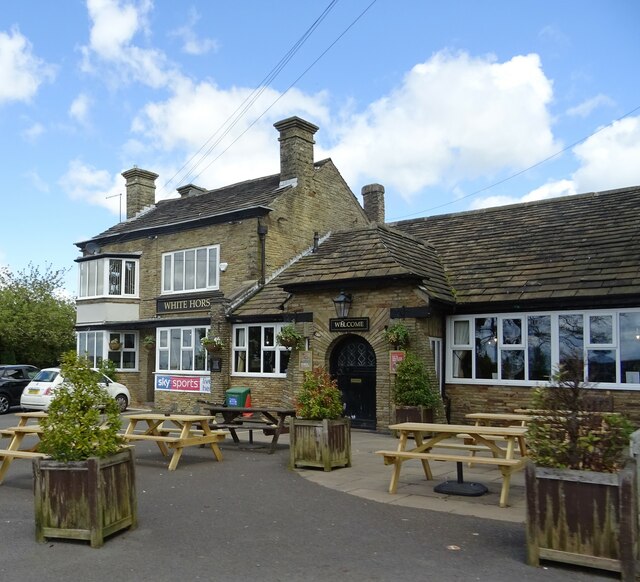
(353, 364)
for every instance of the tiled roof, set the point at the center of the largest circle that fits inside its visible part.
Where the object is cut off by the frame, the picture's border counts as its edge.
(210, 203)
(375, 252)
(575, 247)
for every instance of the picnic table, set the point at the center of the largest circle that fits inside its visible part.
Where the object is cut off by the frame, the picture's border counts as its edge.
(499, 417)
(272, 420)
(176, 431)
(16, 434)
(428, 436)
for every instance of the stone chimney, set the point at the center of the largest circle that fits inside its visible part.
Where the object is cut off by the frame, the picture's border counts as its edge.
(141, 190)
(296, 147)
(373, 199)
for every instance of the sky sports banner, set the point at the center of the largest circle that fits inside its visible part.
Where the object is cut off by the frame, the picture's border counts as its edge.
(183, 383)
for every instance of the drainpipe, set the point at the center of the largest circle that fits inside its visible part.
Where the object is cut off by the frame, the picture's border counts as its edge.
(262, 233)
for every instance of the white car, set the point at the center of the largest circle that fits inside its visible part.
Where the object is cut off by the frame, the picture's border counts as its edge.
(38, 394)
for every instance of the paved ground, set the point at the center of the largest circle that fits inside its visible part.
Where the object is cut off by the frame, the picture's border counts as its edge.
(251, 518)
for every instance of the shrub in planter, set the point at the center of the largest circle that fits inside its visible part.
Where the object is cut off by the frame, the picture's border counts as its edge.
(415, 394)
(318, 436)
(581, 500)
(85, 489)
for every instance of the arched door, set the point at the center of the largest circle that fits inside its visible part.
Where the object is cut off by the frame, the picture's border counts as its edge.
(353, 364)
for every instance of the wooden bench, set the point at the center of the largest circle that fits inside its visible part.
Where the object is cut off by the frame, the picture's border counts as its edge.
(151, 437)
(20, 454)
(391, 456)
(506, 466)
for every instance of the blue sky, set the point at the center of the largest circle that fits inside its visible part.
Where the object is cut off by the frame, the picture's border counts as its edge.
(440, 102)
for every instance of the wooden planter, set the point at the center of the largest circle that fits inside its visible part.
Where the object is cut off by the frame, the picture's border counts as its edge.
(85, 500)
(320, 443)
(583, 518)
(414, 414)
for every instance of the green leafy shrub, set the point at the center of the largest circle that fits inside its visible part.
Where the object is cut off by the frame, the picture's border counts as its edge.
(83, 419)
(319, 396)
(414, 384)
(567, 433)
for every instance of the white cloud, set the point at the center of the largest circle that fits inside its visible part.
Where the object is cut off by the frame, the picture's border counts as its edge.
(21, 72)
(85, 183)
(79, 109)
(610, 158)
(115, 23)
(453, 118)
(33, 132)
(196, 112)
(37, 181)
(549, 190)
(191, 43)
(585, 108)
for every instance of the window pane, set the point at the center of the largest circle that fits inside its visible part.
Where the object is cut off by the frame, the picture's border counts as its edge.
(571, 337)
(601, 329)
(240, 337)
(630, 347)
(462, 364)
(539, 347)
(269, 337)
(512, 331)
(84, 272)
(91, 288)
(512, 364)
(178, 271)
(461, 333)
(115, 277)
(240, 361)
(486, 348)
(190, 270)
(130, 277)
(255, 348)
(129, 341)
(168, 278)
(201, 269)
(284, 361)
(187, 334)
(213, 267)
(269, 362)
(128, 360)
(99, 274)
(602, 365)
(174, 349)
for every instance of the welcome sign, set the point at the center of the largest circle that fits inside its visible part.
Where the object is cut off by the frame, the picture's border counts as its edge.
(349, 324)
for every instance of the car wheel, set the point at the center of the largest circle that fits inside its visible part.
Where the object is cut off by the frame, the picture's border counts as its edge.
(4, 404)
(122, 401)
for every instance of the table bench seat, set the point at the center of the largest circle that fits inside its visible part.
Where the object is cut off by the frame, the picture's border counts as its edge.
(464, 447)
(151, 437)
(391, 456)
(20, 454)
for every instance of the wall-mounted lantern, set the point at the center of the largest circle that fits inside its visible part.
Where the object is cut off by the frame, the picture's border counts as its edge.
(342, 304)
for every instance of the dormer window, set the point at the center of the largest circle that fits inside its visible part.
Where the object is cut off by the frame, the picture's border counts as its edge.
(190, 270)
(108, 276)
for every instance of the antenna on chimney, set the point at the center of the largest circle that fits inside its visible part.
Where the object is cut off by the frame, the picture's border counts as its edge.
(113, 196)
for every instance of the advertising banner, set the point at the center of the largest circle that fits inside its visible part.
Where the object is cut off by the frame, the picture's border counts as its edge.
(183, 383)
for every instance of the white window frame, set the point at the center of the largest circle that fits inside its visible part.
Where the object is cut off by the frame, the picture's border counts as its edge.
(587, 315)
(99, 340)
(211, 276)
(189, 344)
(244, 349)
(94, 277)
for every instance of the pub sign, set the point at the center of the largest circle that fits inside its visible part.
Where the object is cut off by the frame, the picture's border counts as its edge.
(349, 324)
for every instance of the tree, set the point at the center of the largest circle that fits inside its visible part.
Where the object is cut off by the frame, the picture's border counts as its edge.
(36, 319)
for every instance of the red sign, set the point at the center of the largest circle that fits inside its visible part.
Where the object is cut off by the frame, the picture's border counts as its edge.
(395, 358)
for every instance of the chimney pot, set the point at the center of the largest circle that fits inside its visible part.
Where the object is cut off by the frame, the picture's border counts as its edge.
(373, 200)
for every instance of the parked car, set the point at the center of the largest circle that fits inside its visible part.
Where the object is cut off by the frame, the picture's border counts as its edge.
(13, 380)
(38, 394)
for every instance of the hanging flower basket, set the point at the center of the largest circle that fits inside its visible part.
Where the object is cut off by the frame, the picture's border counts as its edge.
(212, 343)
(115, 345)
(290, 337)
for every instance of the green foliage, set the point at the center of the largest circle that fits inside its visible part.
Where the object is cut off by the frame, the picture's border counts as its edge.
(397, 335)
(36, 319)
(149, 341)
(290, 337)
(568, 433)
(414, 384)
(212, 341)
(83, 420)
(319, 396)
(108, 368)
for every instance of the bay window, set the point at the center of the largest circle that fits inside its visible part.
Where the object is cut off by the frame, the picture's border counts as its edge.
(119, 347)
(527, 348)
(107, 276)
